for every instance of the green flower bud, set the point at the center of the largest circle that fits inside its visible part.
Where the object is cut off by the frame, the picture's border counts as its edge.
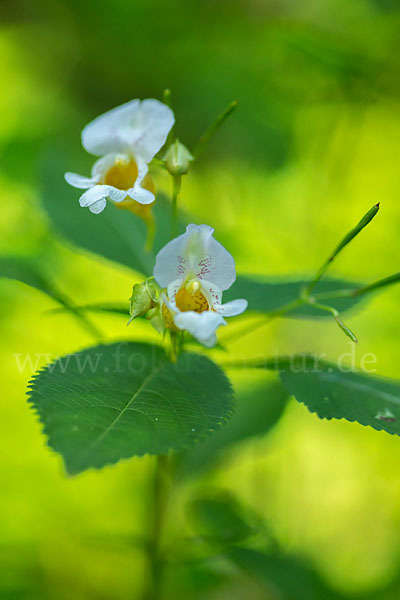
(155, 317)
(141, 301)
(178, 159)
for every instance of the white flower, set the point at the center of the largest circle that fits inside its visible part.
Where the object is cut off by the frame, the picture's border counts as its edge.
(195, 269)
(127, 139)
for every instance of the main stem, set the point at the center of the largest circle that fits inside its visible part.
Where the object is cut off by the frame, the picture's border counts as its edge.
(161, 482)
(159, 501)
(176, 187)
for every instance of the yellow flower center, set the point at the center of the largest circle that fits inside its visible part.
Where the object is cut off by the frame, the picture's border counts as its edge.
(191, 297)
(122, 175)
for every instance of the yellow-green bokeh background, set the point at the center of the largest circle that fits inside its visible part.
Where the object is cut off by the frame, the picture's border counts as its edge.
(314, 143)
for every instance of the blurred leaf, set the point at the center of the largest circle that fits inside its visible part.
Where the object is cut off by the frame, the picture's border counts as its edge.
(112, 402)
(259, 406)
(191, 579)
(219, 519)
(286, 577)
(114, 234)
(114, 309)
(26, 270)
(22, 269)
(268, 295)
(334, 393)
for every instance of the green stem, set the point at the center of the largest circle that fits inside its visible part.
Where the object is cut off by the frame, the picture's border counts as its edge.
(173, 346)
(168, 101)
(376, 285)
(367, 218)
(336, 316)
(335, 294)
(167, 97)
(280, 312)
(176, 187)
(207, 135)
(392, 279)
(151, 232)
(159, 502)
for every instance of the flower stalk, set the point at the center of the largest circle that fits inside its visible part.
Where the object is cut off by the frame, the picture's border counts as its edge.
(176, 188)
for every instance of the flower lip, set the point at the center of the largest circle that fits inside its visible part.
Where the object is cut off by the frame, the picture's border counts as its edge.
(201, 326)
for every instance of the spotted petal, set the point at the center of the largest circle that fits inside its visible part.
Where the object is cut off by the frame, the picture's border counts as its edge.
(195, 254)
(232, 309)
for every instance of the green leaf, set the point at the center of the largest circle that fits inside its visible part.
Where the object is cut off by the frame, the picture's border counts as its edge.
(266, 295)
(291, 577)
(113, 402)
(22, 269)
(332, 393)
(114, 234)
(259, 406)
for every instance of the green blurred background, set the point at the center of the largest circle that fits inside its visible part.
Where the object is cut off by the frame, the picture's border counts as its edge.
(314, 143)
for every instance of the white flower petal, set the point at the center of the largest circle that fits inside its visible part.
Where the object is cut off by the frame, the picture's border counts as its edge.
(141, 195)
(98, 206)
(136, 126)
(79, 181)
(195, 254)
(170, 304)
(116, 195)
(154, 122)
(174, 287)
(137, 192)
(94, 194)
(201, 326)
(231, 309)
(99, 193)
(212, 292)
(107, 133)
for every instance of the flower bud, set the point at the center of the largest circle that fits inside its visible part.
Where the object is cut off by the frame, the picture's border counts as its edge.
(155, 317)
(178, 159)
(141, 300)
